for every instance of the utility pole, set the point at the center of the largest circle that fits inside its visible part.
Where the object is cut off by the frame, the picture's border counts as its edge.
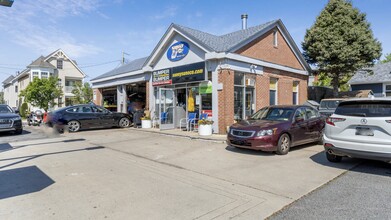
(123, 56)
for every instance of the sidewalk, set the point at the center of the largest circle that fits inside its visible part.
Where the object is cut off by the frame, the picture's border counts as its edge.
(188, 134)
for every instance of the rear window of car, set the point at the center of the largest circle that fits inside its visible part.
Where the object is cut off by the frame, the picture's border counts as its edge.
(365, 108)
(329, 103)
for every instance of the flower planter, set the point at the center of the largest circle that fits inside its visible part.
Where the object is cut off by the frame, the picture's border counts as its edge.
(146, 124)
(205, 130)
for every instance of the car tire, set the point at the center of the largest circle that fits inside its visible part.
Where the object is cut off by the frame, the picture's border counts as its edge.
(124, 123)
(73, 126)
(333, 158)
(284, 144)
(19, 131)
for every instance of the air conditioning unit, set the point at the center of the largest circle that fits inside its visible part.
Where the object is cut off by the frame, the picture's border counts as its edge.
(250, 82)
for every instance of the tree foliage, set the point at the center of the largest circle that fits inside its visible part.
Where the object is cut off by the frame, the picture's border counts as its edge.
(387, 58)
(42, 92)
(340, 42)
(82, 92)
(325, 80)
(2, 98)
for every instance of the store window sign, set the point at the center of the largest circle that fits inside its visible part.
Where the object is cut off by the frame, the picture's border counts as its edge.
(206, 87)
(178, 51)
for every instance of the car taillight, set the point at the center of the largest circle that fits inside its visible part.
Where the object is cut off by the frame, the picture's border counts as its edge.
(332, 120)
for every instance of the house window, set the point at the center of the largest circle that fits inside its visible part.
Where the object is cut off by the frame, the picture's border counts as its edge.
(244, 96)
(44, 75)
(59, 64)
(59, 82)
(16, 88)
(17, 103)
(295, 93)
(59, 102)
(273, 91)
(35, 75)
(275, 38)
(388, 90)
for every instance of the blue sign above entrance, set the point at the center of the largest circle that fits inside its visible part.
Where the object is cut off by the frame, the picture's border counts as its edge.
(178, 51)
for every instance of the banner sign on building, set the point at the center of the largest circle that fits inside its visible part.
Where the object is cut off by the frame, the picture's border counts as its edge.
(188, 73)
(181, 74)
(178, 51)
(161, 77)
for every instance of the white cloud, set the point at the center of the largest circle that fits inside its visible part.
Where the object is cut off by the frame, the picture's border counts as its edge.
(168, 12)
(34, 24)
(140, 43)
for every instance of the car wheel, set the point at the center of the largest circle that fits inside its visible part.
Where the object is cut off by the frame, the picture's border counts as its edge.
(19, 131)
(124, 123)
(284, 144)
(73, 126)
(333, 158)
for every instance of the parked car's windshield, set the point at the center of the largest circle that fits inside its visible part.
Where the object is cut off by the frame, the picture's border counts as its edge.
(5, 109)
(365, 108)
(273, 114)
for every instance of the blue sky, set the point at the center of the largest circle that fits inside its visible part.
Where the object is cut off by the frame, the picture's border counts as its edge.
(95, 32)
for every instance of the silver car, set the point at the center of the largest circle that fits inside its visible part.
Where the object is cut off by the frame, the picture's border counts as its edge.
(359, 128)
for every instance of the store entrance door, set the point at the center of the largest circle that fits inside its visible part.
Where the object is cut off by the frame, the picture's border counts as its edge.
(167, 102)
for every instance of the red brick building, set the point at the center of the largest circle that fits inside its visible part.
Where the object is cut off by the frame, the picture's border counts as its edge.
(227, 77)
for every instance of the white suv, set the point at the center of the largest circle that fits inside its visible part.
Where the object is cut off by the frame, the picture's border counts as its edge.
(359, 128)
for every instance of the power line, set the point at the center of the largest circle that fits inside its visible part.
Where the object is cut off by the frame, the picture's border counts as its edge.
(99, 64)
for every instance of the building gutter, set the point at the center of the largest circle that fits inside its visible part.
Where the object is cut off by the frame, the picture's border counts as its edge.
(237, 57)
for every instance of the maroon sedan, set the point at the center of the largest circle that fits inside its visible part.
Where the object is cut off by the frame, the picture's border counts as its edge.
(277, 128)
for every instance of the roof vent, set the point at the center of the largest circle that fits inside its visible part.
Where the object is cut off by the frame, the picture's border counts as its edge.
(244, 21)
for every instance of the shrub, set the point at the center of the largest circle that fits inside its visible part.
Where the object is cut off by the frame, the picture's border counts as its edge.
(23, 110)
(205, 122)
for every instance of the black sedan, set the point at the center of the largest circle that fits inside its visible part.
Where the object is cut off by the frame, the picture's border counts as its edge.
(10, 120)
(86, 116)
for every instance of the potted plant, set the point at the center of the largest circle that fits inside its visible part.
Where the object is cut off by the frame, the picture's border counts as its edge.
(146, 122)
(205, 127)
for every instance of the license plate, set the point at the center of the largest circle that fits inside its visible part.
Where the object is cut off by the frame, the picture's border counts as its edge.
(364, 131)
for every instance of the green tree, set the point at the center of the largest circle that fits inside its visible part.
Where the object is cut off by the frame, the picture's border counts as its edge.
(82, 92)
(325, 80)
(2, 98)
(42, 92)
(387, 58)
(340, 42)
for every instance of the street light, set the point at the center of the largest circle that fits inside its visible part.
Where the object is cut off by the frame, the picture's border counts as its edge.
(7, 3)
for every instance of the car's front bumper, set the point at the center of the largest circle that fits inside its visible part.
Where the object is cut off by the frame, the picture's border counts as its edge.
(14, 126)
(358, 150)
(265, 143)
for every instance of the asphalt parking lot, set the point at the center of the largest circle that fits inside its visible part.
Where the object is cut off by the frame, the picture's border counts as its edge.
(132, 174)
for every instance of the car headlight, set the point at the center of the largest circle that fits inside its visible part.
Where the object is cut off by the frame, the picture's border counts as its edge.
(16, 118)
(267, 132)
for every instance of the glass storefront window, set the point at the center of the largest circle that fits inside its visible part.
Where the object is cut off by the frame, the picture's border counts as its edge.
(244, 96)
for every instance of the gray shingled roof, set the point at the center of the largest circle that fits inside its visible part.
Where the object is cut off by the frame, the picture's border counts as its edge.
(8, 80)
(225, 42)
(133, 65)
(40, 62)
(379, 73)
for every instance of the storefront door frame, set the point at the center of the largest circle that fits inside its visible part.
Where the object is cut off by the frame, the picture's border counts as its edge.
(168, 121)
